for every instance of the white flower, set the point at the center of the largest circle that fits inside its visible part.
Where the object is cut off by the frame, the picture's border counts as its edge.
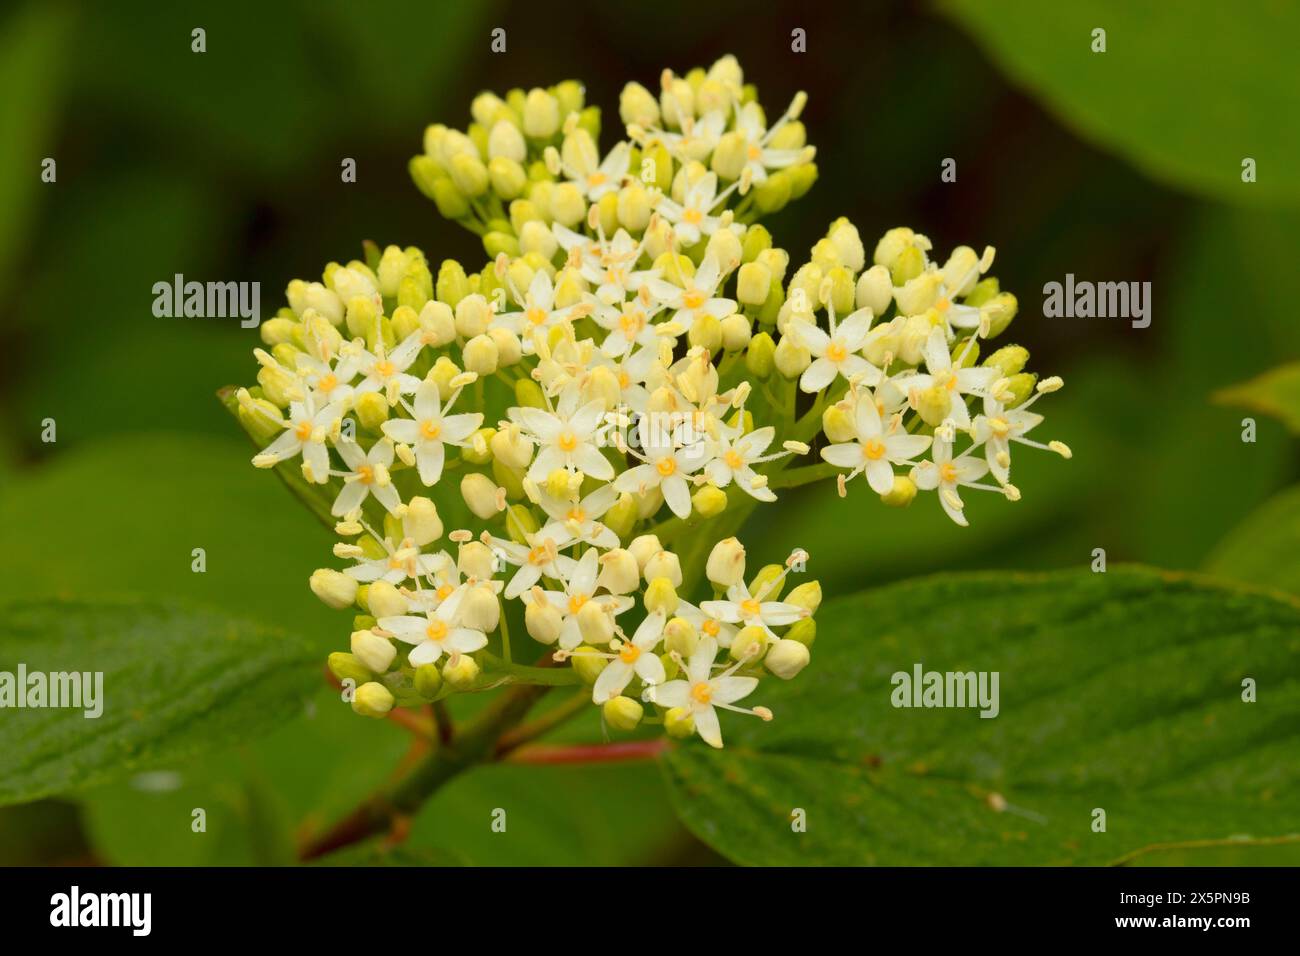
(399, 563)
(329, 383)
(946, 475)
(759, 157)
(536, 558)
(695, 297)
(369, 476)
(629, 324)
(697, 139)
(579, 521)
(435, 633)
(720, 631)
(957, 382)
(386, 371)
(305, 432)
(666, 466)
(634, 658)
(998, 427)
(752, 611)
(878, 448)
(595, 177)
(566, 438)
(579, 589)
(700, 693)
(613, 269)
(538, 311)
(692, 218)
(429, 428)
(735, 460)
(836, 353)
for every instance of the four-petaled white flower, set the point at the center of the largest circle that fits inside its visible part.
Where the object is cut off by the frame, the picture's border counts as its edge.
(693, 217)
(751, 610)
(998, 427)
(385, 371)
(879, 446)
(580, 588)
(566, 438)
(436, 632)
(759, 156)
(667, 466)
(537, 311)
(369, 476)
(579, 520)
(633, 658)
(836, 353)
(429, 428)
(305, 432)
(946, 475)
(733, 459)
(695, 296)
(956, 382)
(536, 558)
(699, 693)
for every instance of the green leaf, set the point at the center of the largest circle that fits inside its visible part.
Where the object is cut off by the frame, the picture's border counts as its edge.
(1264, 550)
(1275, 393)
(1184, 95)
(177, 682)
(1120, 691)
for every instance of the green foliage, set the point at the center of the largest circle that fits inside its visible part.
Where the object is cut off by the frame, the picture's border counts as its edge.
(1275, 393)
(1264, 550)
(1119, 691)
(177, 681)
(1168, 75)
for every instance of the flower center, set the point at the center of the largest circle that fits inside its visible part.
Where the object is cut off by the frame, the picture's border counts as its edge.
(631, 322)
(836, 352)
(948, 472)
(711, 628)
(873, 450)
(536, 316)
(445, 591)
(596, 179)
(576, 602)
(328, 382)
(942, 305)
(365, 474)
(437, 630)
(734, 460)
(754, 152)
(628, 653)
(303, 431)
(430, 430)
(702, 692)
(385, 369)
(693, 216)
(576, 514)
(693, 299)
(567, 440)
(750, 608)
(999, 426)
(666, 466)
(537, 555)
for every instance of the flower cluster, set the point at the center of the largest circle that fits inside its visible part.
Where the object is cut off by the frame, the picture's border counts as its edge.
(598, 409)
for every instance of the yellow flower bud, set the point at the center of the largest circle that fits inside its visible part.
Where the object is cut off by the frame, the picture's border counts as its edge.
(901, 495)
(619, 572)
(510, 447)
(769, 582)
(760, 358)
(786, 658)
(622, 516)
(726, 564)
(999, 312)
(335, 588)
(469, 175)
(541, 114)
(595, 624)
(475, 560)
(568, 207)
(384, 600)
(679, 722)
(661, 596)
(633, 207)
(542, 621)
(1008, 360)
(730, 155)
(643, 548)
(753, 283)
(709, 501)
(774, 193)
(346, 667)
(373, 651)
(622, 713)
(805, 631)
(791, 357)
(724, 247)
(427, 681)
(637, 106)
(848, 244)
(705, 333)
(460, 672)
(482, 496)
(841, 290)
(748, 644)
(372, 410)
(807, 595)
(1019, 387)
(372, 700)
(681, 637)
(480, 355)
(473, 314)
(736, 332)
(909, 266)
(521, 522)
(664, 564)
(932, 404)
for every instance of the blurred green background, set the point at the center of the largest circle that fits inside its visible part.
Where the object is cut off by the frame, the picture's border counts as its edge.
(1122, 166)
